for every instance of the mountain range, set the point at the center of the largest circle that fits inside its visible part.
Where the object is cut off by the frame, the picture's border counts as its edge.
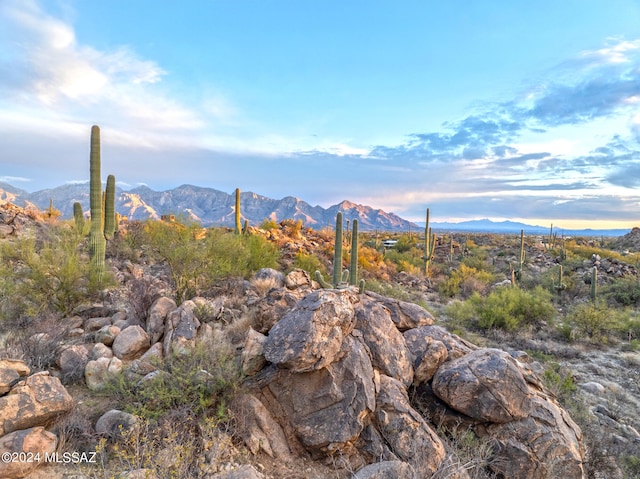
(212, 207)
(208, 206)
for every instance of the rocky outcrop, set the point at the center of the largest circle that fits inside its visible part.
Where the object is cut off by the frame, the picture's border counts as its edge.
(33, 445)
(338, 369)
(28, 404)
(33, 402)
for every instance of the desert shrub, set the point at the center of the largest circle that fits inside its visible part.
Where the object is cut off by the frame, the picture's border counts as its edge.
(49, 275)
(505, 308)
(269, 224)
(309, 263)
(593, 322)
(231, 255)
(199, 382)
(559, 381)
(624, 291)
(391, 290)
(464, 280)
(292, 229)
(196, 261)
(186, 256)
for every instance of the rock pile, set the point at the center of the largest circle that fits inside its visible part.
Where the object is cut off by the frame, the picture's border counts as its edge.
(29, 403)
(335, 381)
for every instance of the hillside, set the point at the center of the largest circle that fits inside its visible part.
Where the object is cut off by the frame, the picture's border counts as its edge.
(216, 355)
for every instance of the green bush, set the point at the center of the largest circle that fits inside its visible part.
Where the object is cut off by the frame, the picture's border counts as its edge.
(309, 263)
(505, 308)
(624, 291)
(201, 382)
(198, 257)
(49, 275)
(465, 280)
(598, 323)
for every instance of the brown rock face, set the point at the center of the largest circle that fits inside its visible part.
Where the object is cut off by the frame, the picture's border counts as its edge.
(327, 406)
(388, 351)
(33, 402)
(310, 336)
(34, 443)
(130, 343)
(545, 444)
(486, 385)
(405, 315)
(405, 430)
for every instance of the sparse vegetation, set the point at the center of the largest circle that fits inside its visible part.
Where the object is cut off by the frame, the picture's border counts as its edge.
(184, 408)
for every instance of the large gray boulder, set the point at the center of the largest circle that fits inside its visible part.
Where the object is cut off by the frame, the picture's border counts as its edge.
(310, 336)
(405, 315)
(386, 470)
(181, 329)
(486, 384)
(409, 436)
(547, 443)
(325, 408)
(156, 317)
(389, 354)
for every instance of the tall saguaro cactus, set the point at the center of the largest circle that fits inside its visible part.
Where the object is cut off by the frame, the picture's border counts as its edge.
(429, 245)
(237, 213)
(97, 241)
(109, 208)
(78, 216)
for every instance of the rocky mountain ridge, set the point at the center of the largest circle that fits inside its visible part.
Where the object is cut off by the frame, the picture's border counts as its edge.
(208, 206)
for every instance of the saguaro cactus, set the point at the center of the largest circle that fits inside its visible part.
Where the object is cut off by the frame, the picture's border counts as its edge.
(594, 284)
(78, 216)
(97, 242)
(429, 245)
(339, 278)
(109, 208)
(522, 256)
(238, 219)
(353, 273)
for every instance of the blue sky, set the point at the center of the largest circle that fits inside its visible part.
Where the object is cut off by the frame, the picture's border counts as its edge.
(507, 110)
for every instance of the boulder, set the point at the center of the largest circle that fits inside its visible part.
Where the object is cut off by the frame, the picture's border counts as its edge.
(181, 329)
(253, 359)
(8, 378)
(92, 325)
(33, 402)
(107, 334)
(389, 354)
(419, 339)
(131, 343)
(486, 385)
(112, 423)
(426, 366)
(101, 351)
(298, 278)
(156, 317)
(405, 315)
(545, 444)
(34, 442)
(72, 361)
(259, 430)
(17, 365)
(310, 336)
(405, 431)
(386, 470)
(269, 276)
(98, 372)
(327, 407)
(273, 306)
